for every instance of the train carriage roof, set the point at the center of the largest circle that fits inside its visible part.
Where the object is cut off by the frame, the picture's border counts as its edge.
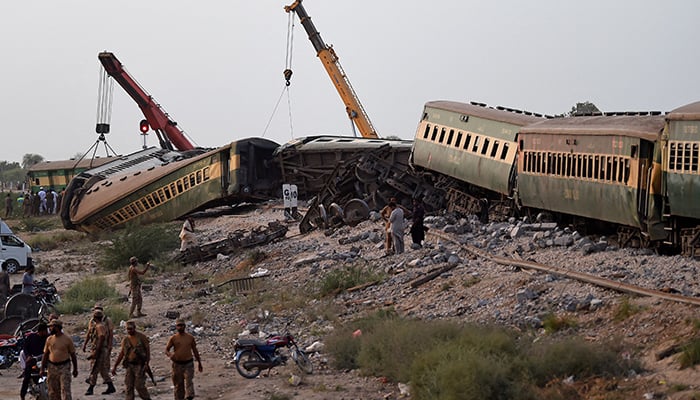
(646, 127)
(515, 117)
(688, 112)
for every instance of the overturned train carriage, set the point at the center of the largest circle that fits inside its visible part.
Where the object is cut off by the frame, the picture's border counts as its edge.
(159, 188)
(469, 151)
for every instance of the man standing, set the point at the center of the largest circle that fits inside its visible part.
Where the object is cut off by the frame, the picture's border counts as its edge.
(397, 226)
(417, 228)
(135, 286)
(100, 355)
(32, 350)
(386, 213)
(59, 352)
(8, 206)
(184, 346)
(136, 353)
(187, 236)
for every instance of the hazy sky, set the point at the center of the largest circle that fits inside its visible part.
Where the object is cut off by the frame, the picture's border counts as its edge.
(216, 66)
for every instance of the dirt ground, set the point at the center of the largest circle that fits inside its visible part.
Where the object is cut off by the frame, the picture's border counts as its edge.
(189, 291)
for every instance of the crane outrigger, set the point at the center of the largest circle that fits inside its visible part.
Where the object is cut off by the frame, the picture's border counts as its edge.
(329, 59)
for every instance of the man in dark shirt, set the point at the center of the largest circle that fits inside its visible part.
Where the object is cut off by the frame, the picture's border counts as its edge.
(33, 349)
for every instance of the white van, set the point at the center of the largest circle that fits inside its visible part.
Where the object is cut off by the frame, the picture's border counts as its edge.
(14, 251)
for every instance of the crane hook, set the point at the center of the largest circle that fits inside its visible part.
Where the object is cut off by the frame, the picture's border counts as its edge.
(288, 76)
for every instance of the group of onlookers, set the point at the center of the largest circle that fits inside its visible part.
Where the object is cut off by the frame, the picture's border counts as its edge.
(43, 202)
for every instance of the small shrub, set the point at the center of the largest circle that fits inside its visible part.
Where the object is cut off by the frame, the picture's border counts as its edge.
(82, 295)
(146, 243)
(625, 310)
(574, 357)
(38, 224)
(198, 318)
(51, 241)
(347, 277)
(554, 323)
(690, 354)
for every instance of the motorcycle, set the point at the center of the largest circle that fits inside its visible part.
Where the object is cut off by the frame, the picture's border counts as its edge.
(37, 384)
(253, 355)
(10, 346)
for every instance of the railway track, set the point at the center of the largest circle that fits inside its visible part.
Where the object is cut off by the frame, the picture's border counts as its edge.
(579, 276)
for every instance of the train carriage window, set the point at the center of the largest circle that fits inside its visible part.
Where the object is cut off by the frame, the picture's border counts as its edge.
(475, 147)
(192, 180)
(596, 168)
(615, 169)
(672, 157)
(504, 151)
(206, 173)
(442, 135)
(485, 147)
(466, 141)
(435, 131)
(686, 158)
(450, 136)
(549, 163)
(679, 157)
(608, 168)
(694, 160)
(579, 165)
(567, 165)
(627, 171)
(539, 162)
(621, 169)
(427, 131)
(527, 162)
(459, 139)
(494, 149)
(166, 191)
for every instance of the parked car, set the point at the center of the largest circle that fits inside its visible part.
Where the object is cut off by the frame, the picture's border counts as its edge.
(16, 253)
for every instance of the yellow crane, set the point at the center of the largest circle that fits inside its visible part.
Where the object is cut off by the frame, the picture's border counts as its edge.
(329, 59)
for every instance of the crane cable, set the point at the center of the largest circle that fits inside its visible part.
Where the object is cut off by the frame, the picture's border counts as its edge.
(105, 95)
(287, 77)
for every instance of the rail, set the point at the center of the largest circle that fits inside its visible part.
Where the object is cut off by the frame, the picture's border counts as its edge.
(580, 276)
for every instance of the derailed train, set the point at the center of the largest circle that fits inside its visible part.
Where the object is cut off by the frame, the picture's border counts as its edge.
(638, 171)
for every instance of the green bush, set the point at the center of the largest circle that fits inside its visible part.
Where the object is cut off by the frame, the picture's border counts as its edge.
(456, 370)
(38, 224)
(690, 354)
(574, 357)
(347, 277)
(51, 241)
(83, 295)
(625, 309)
(147, 243)
(444, 360)
(554, 323)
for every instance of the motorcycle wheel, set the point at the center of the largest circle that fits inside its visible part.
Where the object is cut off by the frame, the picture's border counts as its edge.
(248, 355)
(41, 391)
(303, 361)
(7, 357)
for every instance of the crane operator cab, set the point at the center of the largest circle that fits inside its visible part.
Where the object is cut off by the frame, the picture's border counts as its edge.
(15, 253)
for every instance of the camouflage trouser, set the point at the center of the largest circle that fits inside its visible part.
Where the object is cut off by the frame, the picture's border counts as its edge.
(100, 365)
(135, 378)
(182, 380)
(58, 381)
(136, 302)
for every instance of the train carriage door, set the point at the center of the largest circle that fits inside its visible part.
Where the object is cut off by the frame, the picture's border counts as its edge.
(224, 158)
(642, 155)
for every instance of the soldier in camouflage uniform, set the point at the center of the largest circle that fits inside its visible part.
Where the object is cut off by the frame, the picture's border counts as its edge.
(100, 355)
(59, 352)
(136, 354)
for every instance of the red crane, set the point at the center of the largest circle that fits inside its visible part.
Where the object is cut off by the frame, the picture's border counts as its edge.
(157, 118)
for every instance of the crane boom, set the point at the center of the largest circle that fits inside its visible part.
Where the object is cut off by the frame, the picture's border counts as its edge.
(327, 55)
(157, 118)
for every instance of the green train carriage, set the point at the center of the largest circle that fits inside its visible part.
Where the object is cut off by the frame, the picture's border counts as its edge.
(597, 167)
